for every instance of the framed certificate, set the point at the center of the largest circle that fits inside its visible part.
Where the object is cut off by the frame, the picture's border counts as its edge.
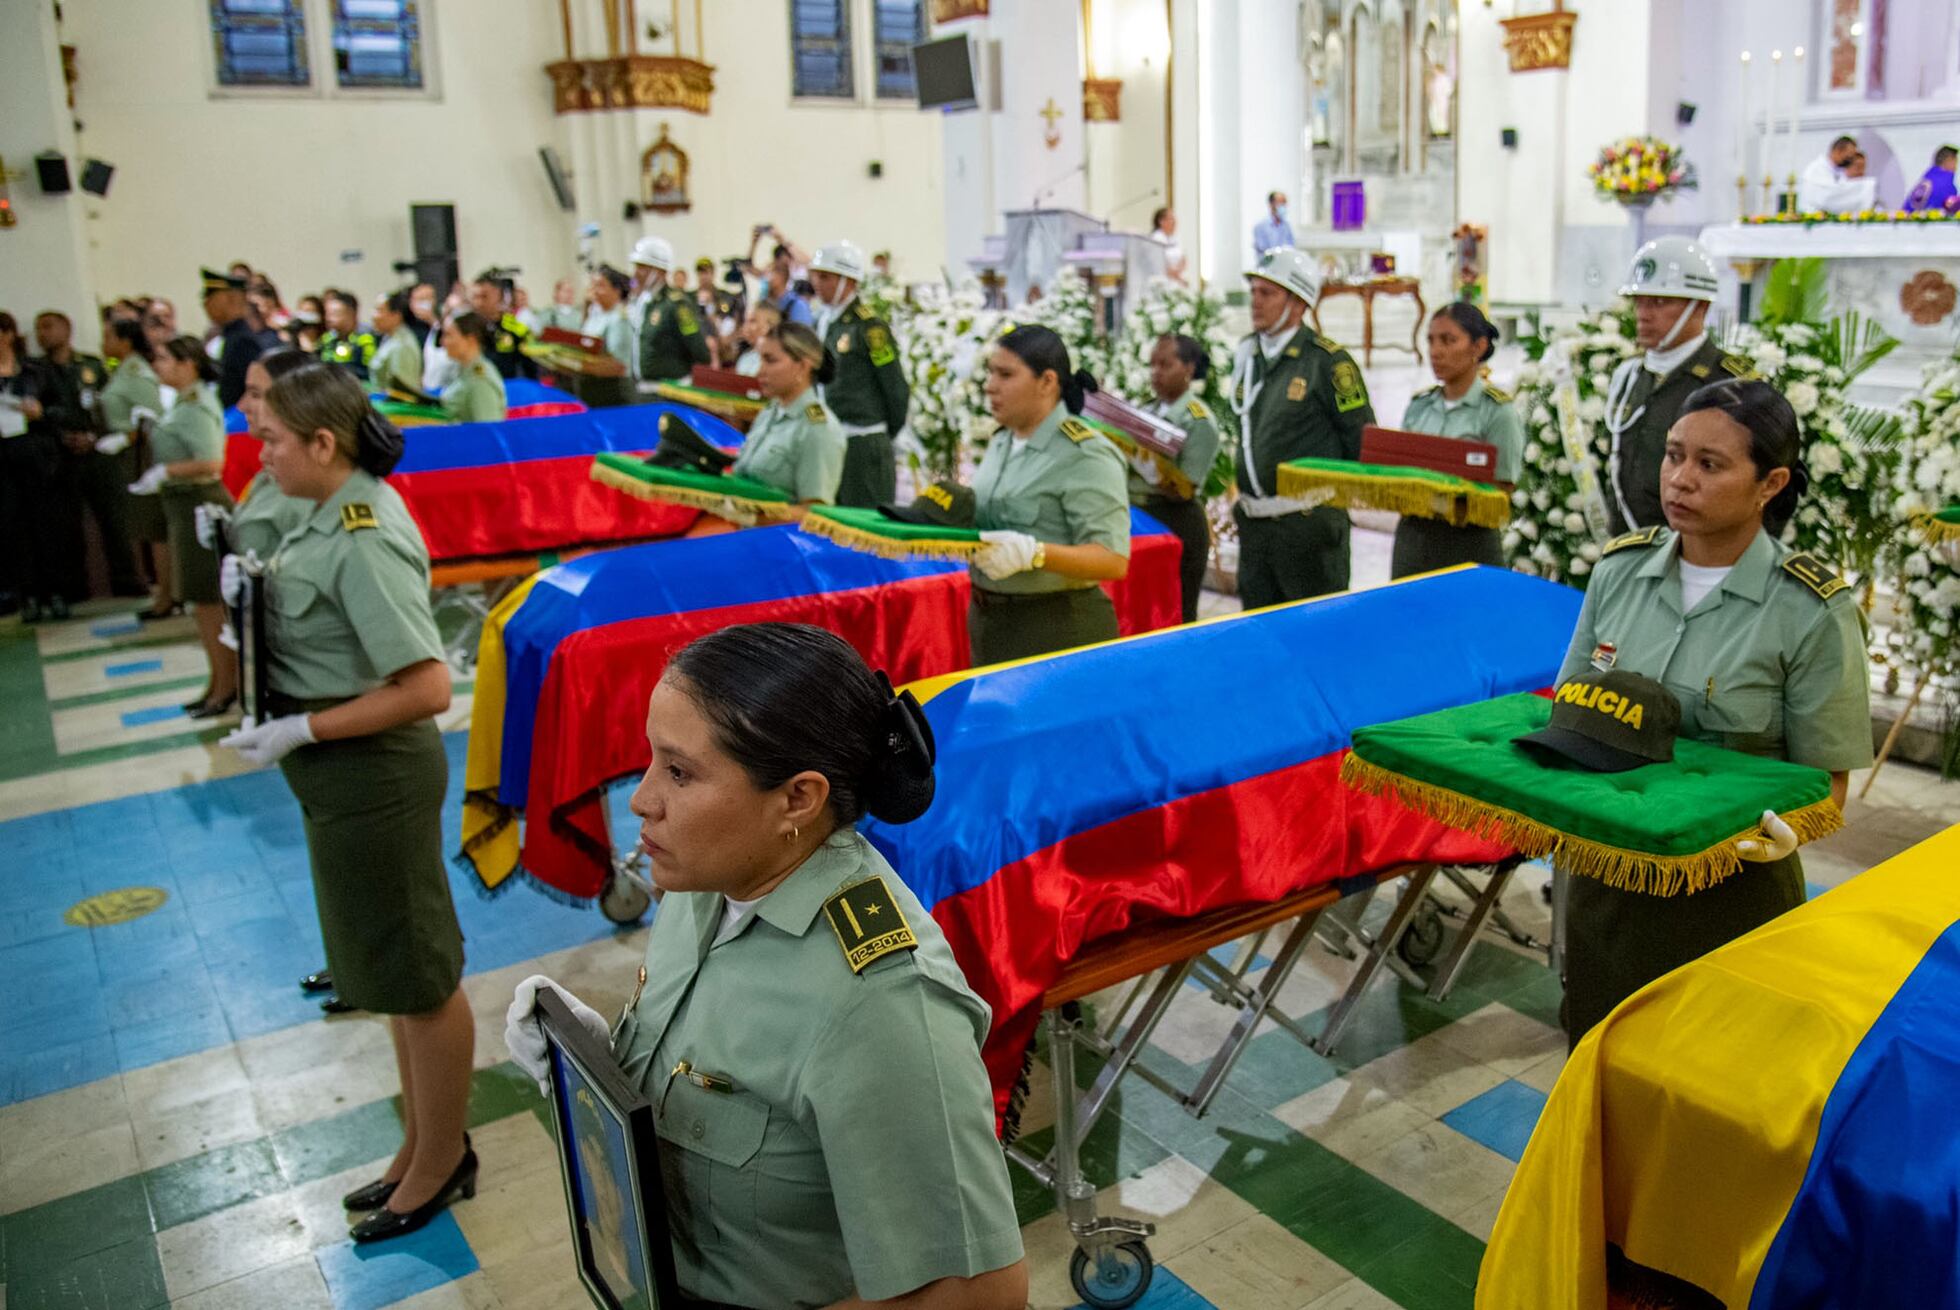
(609, 1159)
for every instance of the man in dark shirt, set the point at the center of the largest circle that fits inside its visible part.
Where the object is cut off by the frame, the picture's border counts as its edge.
(224, 305)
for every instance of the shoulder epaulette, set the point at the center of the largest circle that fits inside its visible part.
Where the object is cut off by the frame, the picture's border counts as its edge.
(814, 412)
(514, 325)
(1815, 574)
(1627, 540)
(868, 923)
(354, 516)
(1739, 365)
(862, 310)
(1497, 393)
(1427, 391)
(1076, 430)
(1329, 345)
(1196, 409)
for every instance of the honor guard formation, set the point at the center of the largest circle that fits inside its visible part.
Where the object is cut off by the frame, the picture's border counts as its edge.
(1193, 707)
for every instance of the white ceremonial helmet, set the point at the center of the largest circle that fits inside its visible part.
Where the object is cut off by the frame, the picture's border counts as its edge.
(654, 252)
(1292, 271)
(1674, 267)
(844, 258)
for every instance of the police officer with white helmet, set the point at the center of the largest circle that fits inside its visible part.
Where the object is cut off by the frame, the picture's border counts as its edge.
(869, 394)
(671, 339)
(1298, 395)
(1672, 282)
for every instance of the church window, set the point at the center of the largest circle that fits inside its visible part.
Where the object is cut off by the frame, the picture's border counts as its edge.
(820, 50)
(378, 43)
(901, 24)
(260, 43)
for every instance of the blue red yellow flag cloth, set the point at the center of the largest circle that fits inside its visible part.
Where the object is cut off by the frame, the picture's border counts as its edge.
(522, 486)
(1773, 1125)
(566, 663)
(1194, 769)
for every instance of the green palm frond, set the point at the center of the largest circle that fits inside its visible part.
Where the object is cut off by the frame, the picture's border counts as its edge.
(1795, 292)
(1859, 342)
(1871, 428)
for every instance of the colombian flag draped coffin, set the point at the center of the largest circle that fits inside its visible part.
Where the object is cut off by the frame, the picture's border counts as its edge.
(1773, 1125)
(566, 664)
(1194, 769)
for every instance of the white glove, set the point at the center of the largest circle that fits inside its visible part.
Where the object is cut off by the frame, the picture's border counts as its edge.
(207, 518)
(1146, 468)
(1782, 841)
(229, 640)
(524, 1035)
(153, 477)
(231, 576)
(1003, 554)
(271, 741)
(740, 515)
(113, 444)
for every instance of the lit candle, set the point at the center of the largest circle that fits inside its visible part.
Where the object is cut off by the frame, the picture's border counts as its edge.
(1796, 100)
(1742, 133)
(1769, 118)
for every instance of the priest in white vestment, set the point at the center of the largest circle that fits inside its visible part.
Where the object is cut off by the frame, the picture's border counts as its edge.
(1823, 184)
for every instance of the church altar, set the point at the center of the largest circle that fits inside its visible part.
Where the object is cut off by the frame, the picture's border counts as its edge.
(1904, 275)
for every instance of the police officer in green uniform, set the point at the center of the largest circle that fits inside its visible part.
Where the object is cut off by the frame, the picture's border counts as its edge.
(490, 297)
(795, 444)
(1464, 406)
(396, 367)
(608, 319)
(1051, 505)
(1672, 283)
(1298, 396)
(345, 341)
(90, 477)
(671, 340)
(869, 395)
(356, 678)
(130, 402)
(477, 394)
(810, 1046)
(1763, 648)
(1177, 365)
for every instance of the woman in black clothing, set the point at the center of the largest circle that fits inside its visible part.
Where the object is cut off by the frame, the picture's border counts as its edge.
(30, 457)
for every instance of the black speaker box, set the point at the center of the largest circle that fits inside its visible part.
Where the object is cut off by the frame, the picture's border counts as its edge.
(1509, 136)
(95, 177)
(53, 170)
(434, 230)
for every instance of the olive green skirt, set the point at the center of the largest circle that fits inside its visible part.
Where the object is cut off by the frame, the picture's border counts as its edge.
(1009, 626)
(193, 568)
(373, 812)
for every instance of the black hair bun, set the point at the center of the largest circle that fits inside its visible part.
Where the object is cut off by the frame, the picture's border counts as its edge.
(900, 787)
(378, 444)
(1076, 388)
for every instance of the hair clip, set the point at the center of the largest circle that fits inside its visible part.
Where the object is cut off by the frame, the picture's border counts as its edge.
(905, 725)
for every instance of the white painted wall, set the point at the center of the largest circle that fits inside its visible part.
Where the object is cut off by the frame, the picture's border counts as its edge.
(44, 257)
(1127, 181)
(1272, 116)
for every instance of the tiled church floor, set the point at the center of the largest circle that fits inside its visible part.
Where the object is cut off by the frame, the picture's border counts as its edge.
(177, 1123)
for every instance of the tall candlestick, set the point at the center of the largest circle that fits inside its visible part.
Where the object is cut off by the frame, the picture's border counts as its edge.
(1796, 100)
(1742, 142)
(1769, 130)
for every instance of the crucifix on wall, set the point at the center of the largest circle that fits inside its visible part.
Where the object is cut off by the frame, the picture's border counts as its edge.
(1052, 113)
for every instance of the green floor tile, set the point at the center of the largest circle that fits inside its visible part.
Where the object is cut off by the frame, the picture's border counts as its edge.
(1276, 1066)
(1494, 972)
(1115, 1149)
(45, 1238)
(127, 1276)
(1434, 1269)
(1540, 999)
(327, 1146)
(501, 1091)
(203, 1184)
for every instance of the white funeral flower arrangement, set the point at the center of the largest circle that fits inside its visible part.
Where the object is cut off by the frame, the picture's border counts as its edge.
(941, 343)
(1167, 308)
(1548, 535)
(1927, 480)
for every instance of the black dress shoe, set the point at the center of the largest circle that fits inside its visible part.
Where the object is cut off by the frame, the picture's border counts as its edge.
(58, 608)
(385, 1223)
(317, 982)
(212, 709)
(334, 1005)
(376, 1194)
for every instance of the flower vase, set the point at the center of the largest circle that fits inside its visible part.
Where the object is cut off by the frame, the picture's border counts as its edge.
(1637, 207)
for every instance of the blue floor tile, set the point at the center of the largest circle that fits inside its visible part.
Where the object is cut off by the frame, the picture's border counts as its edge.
(155, 714)
(27, 962)
(40, 1071)
(369, 1277)
(1169, 1292)
(130, 668)
(1502, 1118)
(186, 1031)
(118, 627)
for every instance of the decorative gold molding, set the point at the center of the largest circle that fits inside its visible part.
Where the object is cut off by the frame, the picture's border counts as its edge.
(1537, 41)
(631, 82)
(952, 11)
(1102, 99)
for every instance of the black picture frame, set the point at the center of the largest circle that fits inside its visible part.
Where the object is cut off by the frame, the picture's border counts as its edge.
(609, 1161)
(248, 625)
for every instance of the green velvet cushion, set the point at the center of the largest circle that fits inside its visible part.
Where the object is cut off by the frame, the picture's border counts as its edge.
(724, 484)
(871, 521)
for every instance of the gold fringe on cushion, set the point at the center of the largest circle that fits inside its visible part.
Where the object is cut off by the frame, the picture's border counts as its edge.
(1936, 530)
(888, 547)
(1634, 871)
(739, 410)
(702, 500)
(1410, 497)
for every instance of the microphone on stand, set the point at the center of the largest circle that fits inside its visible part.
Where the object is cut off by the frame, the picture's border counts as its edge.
(1151, 194)
(1055, 185)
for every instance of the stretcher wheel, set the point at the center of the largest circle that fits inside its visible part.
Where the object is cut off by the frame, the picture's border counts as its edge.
(1119, 1279)
(623, 900)
(1422, 940)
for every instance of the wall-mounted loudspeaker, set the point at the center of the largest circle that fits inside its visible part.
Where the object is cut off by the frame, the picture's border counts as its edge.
(53, 171)
(1509, 136)
(1684, 113)
(95, 177)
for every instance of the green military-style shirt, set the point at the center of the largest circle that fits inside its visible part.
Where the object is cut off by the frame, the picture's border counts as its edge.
(193, 430)
(347, 595)
(353, 350)
(1062, 485)
(1200, 447)
(1771, 662)
(131, 387)
(671, 339)
(1635, 473)
(476, 396)
(263, 517)
(1309, 402)
(70, 404)
(831, 1132)
(795, 447)
(1484, 414)
(869, 390)
(613, 327)
(397, 364)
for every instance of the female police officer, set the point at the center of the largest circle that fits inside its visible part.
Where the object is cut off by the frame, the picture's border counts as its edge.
(1051, 505)
(1461, 405)
(796, 444)
(1763, 648)
(807, 1039)
(356, 678)
(132, 396)
(397, 363)
(1177, 364)
(477, 394)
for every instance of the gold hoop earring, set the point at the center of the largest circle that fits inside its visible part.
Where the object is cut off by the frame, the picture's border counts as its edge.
(794, 834)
